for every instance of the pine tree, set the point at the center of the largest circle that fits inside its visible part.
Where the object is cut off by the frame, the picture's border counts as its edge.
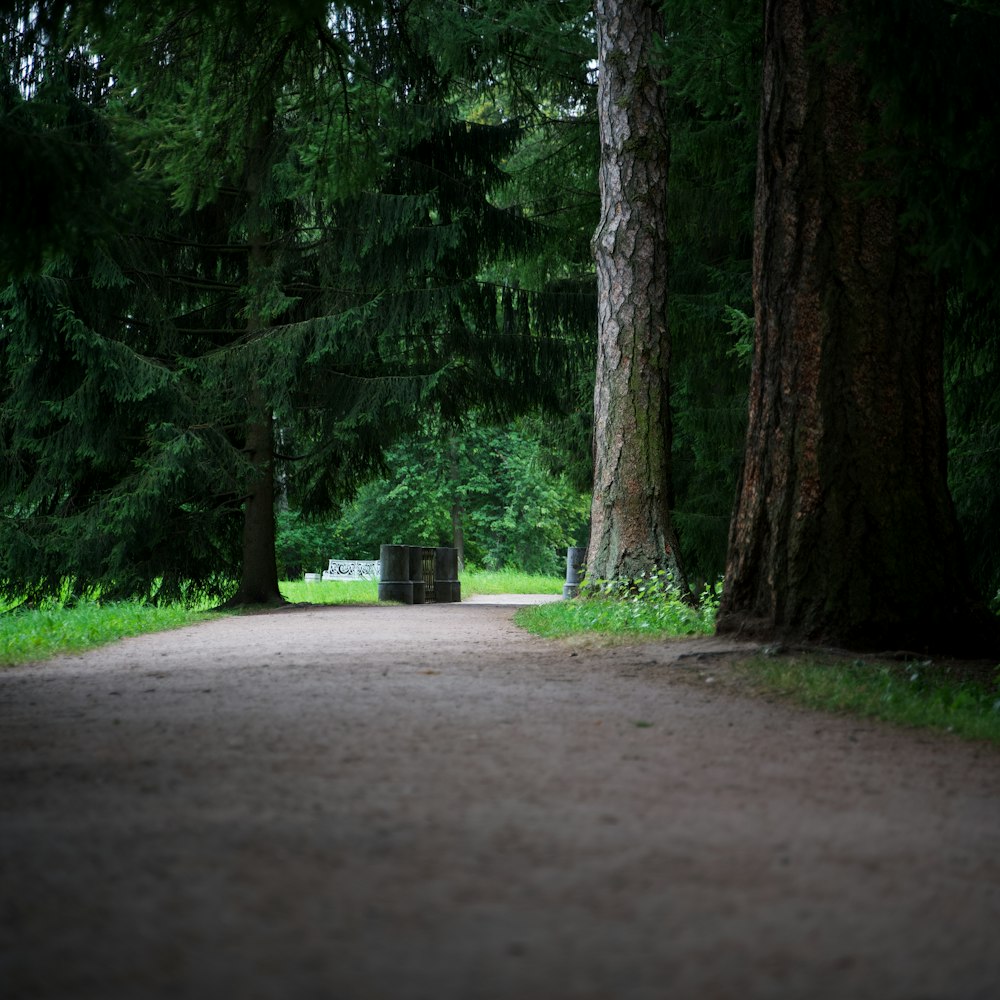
(59, 175)
(307, 257)
(79, 499)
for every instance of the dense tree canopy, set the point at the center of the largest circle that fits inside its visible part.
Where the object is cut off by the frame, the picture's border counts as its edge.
(309, 257)
(247, 249)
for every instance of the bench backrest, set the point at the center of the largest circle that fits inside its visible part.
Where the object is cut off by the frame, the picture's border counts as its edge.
(353, 569)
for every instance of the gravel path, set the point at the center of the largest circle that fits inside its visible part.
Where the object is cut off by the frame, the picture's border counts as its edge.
(426, 802)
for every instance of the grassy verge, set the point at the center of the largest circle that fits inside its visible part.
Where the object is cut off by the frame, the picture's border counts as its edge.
(648, 612)
(955, 697)
(37, 634)
(960, 698)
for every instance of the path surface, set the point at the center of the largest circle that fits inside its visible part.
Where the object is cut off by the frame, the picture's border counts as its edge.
(426, 802)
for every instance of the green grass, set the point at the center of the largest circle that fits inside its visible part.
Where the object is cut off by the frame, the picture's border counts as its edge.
(330, 591)
(959, 698)
(35, 634)
(477, 582)
(651, 610)
(27, 635)
(474, 583)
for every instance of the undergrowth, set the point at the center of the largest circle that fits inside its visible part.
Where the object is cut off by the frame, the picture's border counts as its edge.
(646, 606)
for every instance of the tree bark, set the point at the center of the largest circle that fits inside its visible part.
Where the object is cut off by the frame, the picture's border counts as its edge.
(844, 530)
(631, 530)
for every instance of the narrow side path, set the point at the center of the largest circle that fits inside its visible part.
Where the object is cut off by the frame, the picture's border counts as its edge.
(427, 802)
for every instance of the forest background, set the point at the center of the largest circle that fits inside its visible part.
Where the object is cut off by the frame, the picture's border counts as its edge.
(335, 261)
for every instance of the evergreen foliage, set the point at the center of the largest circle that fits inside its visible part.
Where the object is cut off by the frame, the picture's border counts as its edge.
(309, 252)
(710, 60)
(932, 65)
(349, 222)
(60, 174)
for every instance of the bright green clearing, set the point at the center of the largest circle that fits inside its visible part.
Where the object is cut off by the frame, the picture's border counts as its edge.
(474, 583)
(508, 581)
(330, 591)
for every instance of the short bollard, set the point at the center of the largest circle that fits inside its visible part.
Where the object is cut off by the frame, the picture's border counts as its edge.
(446, 585)
(395, 583)
(576, 556)
(417, 574)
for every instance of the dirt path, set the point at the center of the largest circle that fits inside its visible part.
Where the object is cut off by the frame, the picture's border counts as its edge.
(426, 802)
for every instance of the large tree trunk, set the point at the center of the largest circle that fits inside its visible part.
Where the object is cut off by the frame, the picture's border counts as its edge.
(844, 529)
(631, 531)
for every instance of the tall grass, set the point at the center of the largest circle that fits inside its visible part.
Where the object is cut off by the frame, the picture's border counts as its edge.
(36, 634)
(649, 607)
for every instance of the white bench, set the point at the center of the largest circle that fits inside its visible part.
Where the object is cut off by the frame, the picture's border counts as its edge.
(353, 569)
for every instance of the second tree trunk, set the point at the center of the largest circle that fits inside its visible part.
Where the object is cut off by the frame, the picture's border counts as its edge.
(631, 530)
